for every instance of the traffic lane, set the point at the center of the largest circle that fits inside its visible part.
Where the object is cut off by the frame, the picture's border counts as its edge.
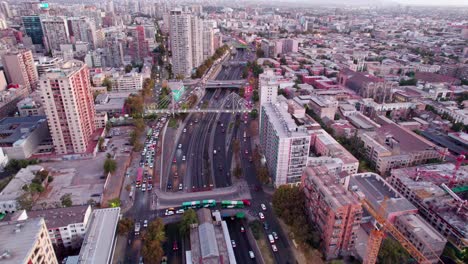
(220, 160)
(259, 197)
(241, 251)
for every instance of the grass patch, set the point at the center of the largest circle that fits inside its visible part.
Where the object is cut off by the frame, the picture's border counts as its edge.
(264, 247)
(172, 123)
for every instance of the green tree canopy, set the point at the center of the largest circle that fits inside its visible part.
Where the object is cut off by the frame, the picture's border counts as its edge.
(110, 165)
(124, 226)
(189, 217)
(66, 200)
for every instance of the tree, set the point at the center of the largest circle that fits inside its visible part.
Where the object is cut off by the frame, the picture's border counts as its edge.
(254, 114)
(124, 226)
(241, 92)
(392, 252)
(260, 53)
(25, 202)
(107, 83)
(255, 96)
(110, 166)
(237, 172)
(100, 143)
(283, 60)
(128, 68)
(114, 203)
(189, 218)
(263, 175)
(152, 252)
(66, 200)
(153, 238)
(108, 126)
(288, 203)
(139, 124)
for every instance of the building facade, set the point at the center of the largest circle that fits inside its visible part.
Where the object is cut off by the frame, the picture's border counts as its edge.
(55, 31)
(68, 104)
(20, 68)
(284, 144)
(33, 27)
(333, 210)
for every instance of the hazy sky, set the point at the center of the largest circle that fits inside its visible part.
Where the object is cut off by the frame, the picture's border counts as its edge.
(433, 2)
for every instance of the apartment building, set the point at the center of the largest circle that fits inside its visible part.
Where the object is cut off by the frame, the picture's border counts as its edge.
(44, 64)
(336, 212)
(128, 82)
(69, 107)
(20, 68)
(323, 106)
(33, 28)
(323, 144)
(66, 226)
(208, 40)
(26, 242)
(268, 87)
(284, 143)
(427, 188)
(30, 107)
(392, 145)
(82, 29)
(185, 32)
(55, 31)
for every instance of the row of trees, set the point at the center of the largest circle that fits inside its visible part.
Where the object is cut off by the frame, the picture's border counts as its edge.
(109, 165)
(209, 62)
(289, 205)
(153, 238)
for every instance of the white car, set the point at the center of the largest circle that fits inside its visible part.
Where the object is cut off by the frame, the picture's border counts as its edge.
(145, 223)
(181, 187)
(183, 158)
(263, 206)
(261, 215)
(180, 145)
(180, 211)
(168, 212)
(185, 130)
(275, 249)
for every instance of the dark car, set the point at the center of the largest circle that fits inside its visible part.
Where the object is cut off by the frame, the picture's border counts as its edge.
(169, 186)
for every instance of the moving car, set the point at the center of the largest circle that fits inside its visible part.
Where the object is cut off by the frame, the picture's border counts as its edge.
(275, 249)
(242, 229)
(168, 212)
(263, 206)
(275, 235)
(251, 254)
(180, 211)
(181, 187)
(145, 223)
(233, 243)
(261, 215)
(271, 239)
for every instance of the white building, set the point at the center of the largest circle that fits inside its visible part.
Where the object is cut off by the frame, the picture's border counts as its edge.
(3, 160)
(185, 31)
(99, 242)
(129, 82)
(284, 144)
(67, 225)
(268, 83)
(208, 40)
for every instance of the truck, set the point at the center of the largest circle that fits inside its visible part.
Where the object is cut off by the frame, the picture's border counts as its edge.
(137, 228)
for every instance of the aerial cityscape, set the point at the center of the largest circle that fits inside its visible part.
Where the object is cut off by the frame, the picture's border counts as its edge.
(233, 132)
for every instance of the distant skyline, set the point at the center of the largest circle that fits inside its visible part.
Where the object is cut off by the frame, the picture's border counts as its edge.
(433, 2)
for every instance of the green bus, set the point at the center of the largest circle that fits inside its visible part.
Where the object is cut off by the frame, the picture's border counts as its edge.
(209, 203)
(232, 204)
(150, 133)
(192, 204)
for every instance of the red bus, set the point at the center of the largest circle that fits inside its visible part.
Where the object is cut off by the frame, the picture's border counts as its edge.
(139, 178)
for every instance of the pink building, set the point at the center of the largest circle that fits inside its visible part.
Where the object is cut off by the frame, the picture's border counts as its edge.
(335, 211)
(69, 106)
(20, 68)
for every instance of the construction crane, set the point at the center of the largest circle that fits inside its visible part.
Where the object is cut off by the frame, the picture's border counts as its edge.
(459, 160)
(377, 235)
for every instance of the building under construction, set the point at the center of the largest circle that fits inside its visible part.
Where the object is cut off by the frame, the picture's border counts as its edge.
(397, 211)
(439, 192)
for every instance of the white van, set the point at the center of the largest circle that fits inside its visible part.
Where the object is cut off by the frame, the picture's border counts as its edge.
(271, 238)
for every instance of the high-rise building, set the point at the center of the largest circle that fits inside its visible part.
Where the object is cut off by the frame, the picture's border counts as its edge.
(26, 242)
(186, 32)
(33, 28)
(336, 212)
(20, 69)
(69, 106)
(208, 40)
(55, 32)
(5, 9)
(268, 87)
(82, 29)
(284, 143)
(138, 45)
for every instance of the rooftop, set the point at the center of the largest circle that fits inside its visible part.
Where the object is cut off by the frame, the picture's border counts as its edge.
(329, 185)
(421, 229)
(284, 124)
(407, 141)
(98, 244)
(376, 190)
(64, 216)
(13, 130)
(14, 188)
(18, 238)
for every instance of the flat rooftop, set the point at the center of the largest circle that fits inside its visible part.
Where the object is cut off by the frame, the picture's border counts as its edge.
(376, 190)
(98, 244)
(59, 217)
(18, 238)
(284, 124)
(16, 129)
(408, 141)
(421, 229)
